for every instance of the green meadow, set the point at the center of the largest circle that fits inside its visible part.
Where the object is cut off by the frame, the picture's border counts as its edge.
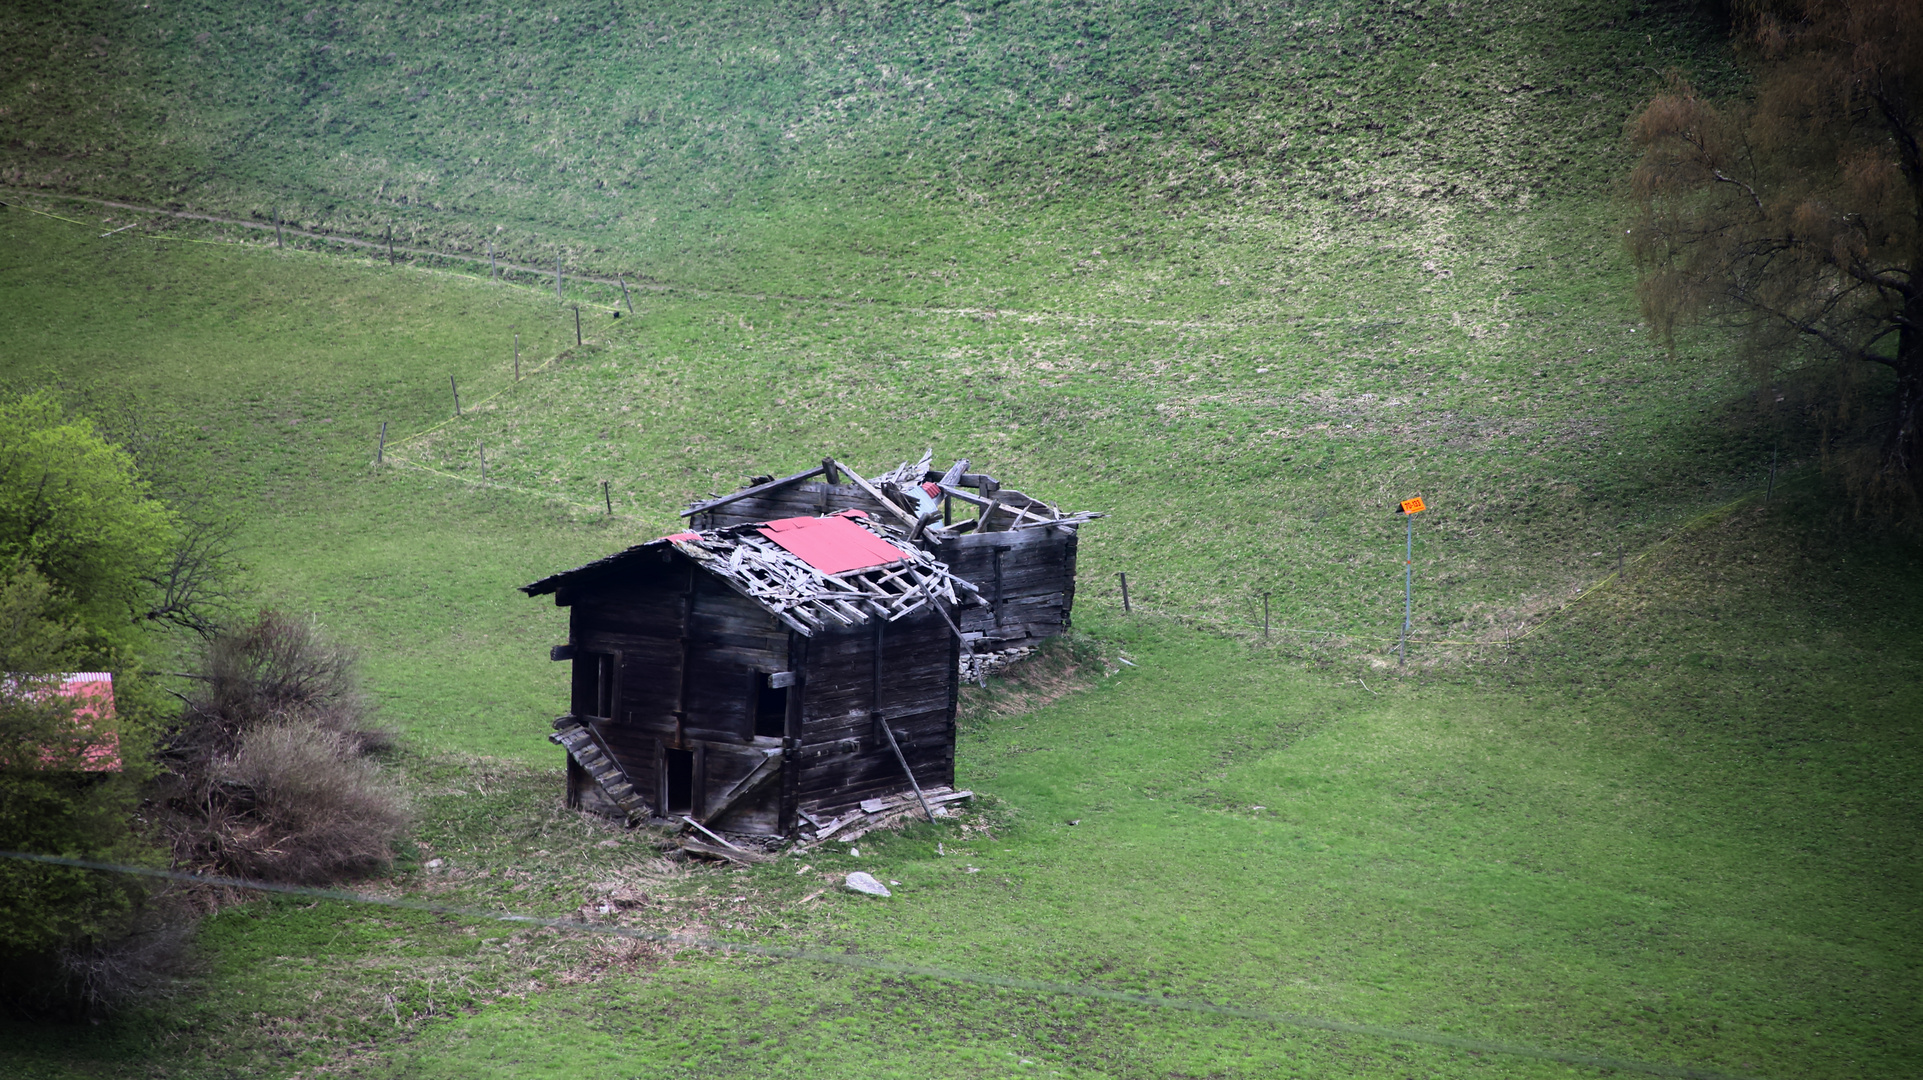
(1242, 275)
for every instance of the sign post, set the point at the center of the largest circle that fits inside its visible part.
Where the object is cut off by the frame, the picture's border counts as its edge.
(1409, 508)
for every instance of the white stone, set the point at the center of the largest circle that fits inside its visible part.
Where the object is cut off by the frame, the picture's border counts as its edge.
(866, 883)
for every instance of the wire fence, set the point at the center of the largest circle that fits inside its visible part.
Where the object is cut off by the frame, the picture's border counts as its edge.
(396, 450)
(385, 449)
(498, 270)
(642, 284)
(1249, 628)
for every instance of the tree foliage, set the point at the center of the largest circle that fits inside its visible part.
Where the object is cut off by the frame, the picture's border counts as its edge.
(48, 805)
(73, 507)
(81, 535)
(1796, 216)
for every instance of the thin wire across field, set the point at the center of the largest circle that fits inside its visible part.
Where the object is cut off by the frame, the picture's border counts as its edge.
(393, 449)
(893, 967)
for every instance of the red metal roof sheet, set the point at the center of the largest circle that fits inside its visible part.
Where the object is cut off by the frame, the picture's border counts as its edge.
(94, 745)
(832, 545)
(94, 694)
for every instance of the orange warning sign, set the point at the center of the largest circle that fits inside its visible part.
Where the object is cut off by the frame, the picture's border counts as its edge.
(1413, 506)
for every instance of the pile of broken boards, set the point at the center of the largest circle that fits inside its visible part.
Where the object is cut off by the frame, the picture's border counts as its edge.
(887, 813)
(1014, 552)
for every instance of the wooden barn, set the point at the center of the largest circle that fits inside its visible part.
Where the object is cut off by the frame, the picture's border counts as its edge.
(1019, 550)
(757, 674)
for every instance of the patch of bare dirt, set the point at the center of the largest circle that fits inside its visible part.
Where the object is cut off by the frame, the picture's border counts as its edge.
(1060, 667)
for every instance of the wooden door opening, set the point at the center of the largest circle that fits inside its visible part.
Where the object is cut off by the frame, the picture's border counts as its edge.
(771, 711)
(594, 683)
(680, 775)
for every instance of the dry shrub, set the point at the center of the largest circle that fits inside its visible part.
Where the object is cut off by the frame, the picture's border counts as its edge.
(145, 961)
(276, 669)
(152, 962)
(300, 803)
(273, 770)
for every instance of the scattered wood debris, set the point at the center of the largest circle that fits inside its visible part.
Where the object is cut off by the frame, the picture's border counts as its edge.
(875, 814)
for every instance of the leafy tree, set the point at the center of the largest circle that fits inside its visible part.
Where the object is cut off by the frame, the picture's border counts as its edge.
(73, 508)
(50, 805)
(80, 535)
(1796, 217)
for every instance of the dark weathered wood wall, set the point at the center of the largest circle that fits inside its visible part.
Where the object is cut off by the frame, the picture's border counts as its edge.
(809, 498)
(843, 756)
(690, 657)
(1027, 577)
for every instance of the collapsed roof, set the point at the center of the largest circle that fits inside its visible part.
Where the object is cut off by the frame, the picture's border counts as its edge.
(809, 572)
(911, 496)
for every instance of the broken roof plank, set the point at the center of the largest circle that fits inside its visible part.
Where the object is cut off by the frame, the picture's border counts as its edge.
(758, 489)
(906, 517)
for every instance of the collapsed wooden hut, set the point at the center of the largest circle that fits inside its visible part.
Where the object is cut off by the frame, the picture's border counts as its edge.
(756, 674)
(1018, 549)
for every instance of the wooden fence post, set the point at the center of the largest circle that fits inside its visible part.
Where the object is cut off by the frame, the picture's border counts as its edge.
(483, 447)
(390, 245)
(457, 394)
(493, 268)
(1124, 579)
(624, 293)
(380, 448)
(1265, 616)
(577, 324)
(557, 277)
(606, 498)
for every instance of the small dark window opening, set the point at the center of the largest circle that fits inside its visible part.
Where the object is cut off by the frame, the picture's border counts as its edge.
(771, 710)
(680, 765)
(594, 684)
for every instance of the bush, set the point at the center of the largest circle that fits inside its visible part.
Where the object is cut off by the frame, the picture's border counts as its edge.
(275, 669)
(300, 803)
(273, 774)
(149, 961)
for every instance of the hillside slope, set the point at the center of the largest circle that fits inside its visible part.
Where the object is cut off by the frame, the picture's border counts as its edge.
(890, 150)
(1242, 274)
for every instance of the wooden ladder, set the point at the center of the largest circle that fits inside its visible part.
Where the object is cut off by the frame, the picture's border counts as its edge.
(578, 740)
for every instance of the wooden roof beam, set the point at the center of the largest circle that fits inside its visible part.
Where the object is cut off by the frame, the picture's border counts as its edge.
(751, 492)
(906, 517)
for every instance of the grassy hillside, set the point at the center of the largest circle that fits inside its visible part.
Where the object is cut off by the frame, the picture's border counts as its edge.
(1632, 840)
(1243, 275)
(960, 153)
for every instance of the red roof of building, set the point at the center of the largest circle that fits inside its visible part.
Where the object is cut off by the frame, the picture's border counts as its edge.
(94, 712)
(93, 745)
(832, 545)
